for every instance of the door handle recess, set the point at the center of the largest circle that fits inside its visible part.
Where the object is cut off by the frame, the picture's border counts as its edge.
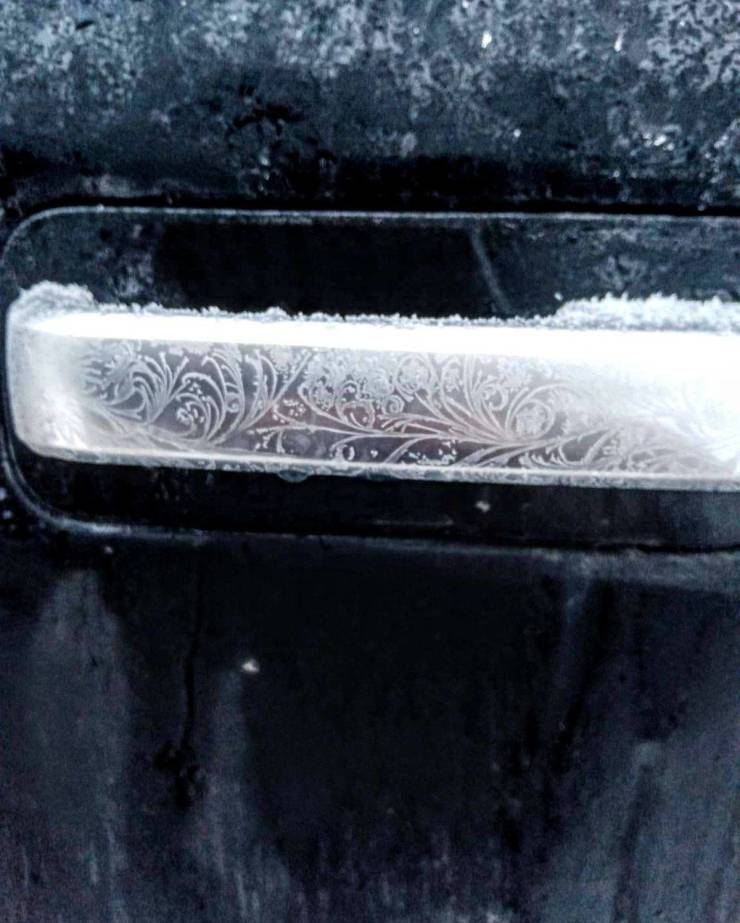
(611, 393)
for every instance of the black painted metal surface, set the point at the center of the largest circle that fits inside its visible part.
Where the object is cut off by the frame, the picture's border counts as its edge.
(413, 103)
(287, 729)
(340, 729)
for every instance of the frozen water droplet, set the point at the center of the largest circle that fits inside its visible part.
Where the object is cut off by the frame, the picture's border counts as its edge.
(294, 475)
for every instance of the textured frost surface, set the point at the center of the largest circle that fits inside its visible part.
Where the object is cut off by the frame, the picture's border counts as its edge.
(53, 302)
(604, 392)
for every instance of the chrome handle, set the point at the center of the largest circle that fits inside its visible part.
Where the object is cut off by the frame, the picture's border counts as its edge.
(638, 395)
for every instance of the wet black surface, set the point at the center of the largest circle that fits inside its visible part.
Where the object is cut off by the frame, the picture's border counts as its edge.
(285, 729)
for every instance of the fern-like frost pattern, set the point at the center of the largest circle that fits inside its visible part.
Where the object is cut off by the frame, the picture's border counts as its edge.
(413, 414)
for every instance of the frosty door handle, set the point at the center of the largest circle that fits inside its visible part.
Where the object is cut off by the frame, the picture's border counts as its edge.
(613, 393)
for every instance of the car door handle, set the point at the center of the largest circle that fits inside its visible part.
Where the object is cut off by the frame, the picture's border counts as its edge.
(612, 393)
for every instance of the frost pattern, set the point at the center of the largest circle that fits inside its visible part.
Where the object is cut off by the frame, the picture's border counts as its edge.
(635, 413)
(696, 38)
(348, 411)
